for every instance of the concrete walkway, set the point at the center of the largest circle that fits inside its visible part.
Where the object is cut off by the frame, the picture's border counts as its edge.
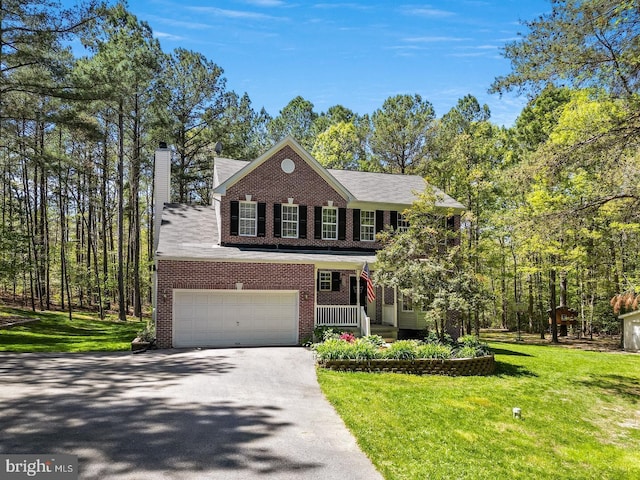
(197, 414)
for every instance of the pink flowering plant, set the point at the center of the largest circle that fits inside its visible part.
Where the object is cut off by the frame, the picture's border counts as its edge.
(348, 337)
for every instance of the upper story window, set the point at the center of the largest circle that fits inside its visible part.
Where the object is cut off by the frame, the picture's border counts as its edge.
(403, 224)
(329, 223)
(367, 225)
(248, 219)
(289, 221)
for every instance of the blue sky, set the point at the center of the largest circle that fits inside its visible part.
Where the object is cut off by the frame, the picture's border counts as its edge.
(353, 53)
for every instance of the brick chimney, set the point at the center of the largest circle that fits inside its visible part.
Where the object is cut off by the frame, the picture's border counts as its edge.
(161, 189)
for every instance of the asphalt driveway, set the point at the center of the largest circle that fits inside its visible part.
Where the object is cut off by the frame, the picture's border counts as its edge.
(179, 414)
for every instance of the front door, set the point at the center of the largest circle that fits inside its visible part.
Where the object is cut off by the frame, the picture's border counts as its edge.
(370, 309)
(353, 294)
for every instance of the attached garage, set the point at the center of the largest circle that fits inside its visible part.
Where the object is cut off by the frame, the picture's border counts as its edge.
(228, 318)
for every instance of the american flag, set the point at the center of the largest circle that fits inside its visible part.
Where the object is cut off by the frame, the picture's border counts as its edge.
(371, 294)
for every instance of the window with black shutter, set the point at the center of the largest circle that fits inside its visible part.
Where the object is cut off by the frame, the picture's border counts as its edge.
(277, 218)
(235, 212)
(335, 281)
(379, 220)
(394, 219)
(317, 223)
(302, 232)
(342, 224)
(356, 225)
(262, 219)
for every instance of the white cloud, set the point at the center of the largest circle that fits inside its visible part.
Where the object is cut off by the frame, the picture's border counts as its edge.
(427, 12)
(235, 14)
(167, 36)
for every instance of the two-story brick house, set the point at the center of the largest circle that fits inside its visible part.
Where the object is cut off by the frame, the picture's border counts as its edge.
(280, 251)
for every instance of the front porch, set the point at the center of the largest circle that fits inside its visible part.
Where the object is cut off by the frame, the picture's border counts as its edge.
(353, 318)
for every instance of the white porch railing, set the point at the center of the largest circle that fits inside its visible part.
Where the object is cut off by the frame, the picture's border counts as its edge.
(337, 316)
(365, 326)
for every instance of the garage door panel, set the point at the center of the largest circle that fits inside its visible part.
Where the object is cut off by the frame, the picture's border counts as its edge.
(235, 318)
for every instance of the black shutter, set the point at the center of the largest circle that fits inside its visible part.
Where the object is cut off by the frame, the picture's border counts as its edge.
(394, 219)
(277, 219)
(335, 281)
(342, 224)
(262, 219)
(302, 221)
(235, 214)
(356, 225)
(379, 220)
(317, 223)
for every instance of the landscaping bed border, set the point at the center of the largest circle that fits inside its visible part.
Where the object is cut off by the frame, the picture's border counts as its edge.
(420, 366)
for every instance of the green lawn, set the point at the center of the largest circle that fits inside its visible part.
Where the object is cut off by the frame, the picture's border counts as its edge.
(580, 417)
(55, 333)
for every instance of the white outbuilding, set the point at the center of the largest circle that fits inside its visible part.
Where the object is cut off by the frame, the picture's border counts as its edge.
(631, 325)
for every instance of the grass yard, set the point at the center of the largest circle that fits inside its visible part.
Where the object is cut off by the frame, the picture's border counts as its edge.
(55, 333)
(580, 417)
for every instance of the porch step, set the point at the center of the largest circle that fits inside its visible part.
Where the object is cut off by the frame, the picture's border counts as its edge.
(388, 332)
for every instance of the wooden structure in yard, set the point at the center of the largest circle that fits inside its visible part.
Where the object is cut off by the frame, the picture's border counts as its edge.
(564, 317)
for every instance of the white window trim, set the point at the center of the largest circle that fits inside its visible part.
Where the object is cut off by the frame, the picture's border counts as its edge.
(402, 299)
(321, 280)
(403, 225)
(372, 226)
(241, 218)
(335, 209)
(283, 221)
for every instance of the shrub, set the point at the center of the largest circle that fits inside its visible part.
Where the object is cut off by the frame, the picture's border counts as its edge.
(331, 349)
(336, 349)
(434, 339)
(148, 333)
(430, 350)
(363, 350)
(468, 342)
(402, 350)
(375, 340)
(320, 334)
(467, 352)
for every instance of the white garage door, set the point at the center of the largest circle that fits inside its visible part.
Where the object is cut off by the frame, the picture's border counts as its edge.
(223, 318)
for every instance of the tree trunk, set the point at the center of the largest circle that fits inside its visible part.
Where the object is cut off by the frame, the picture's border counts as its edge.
(552, 305)
(122, 313)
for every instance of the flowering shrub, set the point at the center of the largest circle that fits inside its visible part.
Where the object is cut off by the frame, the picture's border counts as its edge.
(348, 347)
(348, 337)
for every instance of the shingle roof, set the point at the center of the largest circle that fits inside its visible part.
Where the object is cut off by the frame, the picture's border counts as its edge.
(190, 233)
(364, 186)
(389, 188)
(225, 167)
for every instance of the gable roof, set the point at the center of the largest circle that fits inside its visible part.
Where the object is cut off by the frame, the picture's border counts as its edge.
(290, 142)
(376, 190)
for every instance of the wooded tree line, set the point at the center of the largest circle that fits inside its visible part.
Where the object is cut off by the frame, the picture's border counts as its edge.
(552, 200)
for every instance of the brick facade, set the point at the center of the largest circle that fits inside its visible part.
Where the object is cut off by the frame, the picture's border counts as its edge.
(269, 184)
(182, 274)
